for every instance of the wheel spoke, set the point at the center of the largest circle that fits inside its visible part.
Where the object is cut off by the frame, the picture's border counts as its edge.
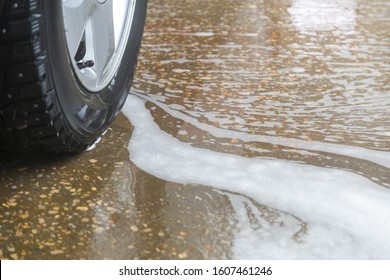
(96, 39)
(76, 15)
(103, 36)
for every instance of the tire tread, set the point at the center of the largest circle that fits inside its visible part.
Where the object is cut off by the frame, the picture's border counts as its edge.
(28, 116)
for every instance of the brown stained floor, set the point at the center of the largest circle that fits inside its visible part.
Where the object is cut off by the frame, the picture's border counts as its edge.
(98, 205)
(267, 68)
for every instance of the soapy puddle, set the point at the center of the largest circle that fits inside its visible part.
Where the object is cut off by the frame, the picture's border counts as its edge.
(276, 107)
(346, 215)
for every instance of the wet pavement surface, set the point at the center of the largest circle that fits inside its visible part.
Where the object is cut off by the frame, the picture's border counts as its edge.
(255, 129)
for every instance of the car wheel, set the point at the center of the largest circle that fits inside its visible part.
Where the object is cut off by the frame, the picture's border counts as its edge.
(65, 68)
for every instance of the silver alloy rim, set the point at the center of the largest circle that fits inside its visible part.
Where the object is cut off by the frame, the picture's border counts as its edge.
(96, 33)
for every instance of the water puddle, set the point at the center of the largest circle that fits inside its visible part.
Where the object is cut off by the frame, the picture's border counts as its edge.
(286, 110)
(346, 214)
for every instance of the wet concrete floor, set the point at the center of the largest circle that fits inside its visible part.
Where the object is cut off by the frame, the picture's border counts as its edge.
(296, 81)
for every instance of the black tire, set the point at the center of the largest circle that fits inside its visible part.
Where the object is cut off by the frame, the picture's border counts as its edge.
(40, 95)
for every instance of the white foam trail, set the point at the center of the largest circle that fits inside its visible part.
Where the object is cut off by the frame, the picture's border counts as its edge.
(348, 216)
(379, 157)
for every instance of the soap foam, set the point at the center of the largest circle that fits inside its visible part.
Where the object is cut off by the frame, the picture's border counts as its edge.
(347, 215)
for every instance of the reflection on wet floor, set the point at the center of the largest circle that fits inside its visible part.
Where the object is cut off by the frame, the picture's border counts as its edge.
(98, 205)
(295, 92)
